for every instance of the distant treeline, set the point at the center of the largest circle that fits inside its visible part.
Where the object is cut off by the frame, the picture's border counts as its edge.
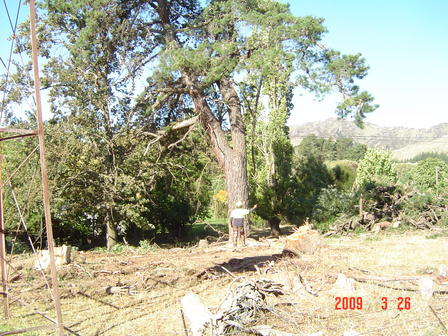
(329, 149)
(426, 155)
(347, 149)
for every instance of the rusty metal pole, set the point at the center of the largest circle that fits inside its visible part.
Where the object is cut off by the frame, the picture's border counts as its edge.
(3, 247)
(43, 167)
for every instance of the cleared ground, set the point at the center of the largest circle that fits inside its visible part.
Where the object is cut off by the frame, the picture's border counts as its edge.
(154, 281)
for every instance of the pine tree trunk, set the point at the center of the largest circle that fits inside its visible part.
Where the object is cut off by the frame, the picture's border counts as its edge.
(274, 224)
(235, 165)
(111, 231)
(232, 159)
(236, 182)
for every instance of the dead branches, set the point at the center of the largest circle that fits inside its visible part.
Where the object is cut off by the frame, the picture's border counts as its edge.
(237, 311)
(187, 123)
(387, 207)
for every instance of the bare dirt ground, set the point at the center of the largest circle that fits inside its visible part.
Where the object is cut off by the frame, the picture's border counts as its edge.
(152, 284)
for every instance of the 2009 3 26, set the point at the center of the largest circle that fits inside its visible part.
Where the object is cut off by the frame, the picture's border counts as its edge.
(356, 303)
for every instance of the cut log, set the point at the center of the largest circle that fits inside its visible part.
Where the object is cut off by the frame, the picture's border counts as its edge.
(62, 255)
(426, 287)
(120, 290)
(196, 313)
(344, 284)
(203, 243)
(381, 226)
(302, 242)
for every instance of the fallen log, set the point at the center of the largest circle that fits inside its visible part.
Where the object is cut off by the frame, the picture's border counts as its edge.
(197, 314)
(120, 290)
(385, 279)
(239, 309)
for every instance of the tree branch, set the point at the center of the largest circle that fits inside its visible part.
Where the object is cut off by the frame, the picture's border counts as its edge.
(179, 125)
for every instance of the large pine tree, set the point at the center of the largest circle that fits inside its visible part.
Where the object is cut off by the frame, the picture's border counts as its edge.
(193, 58)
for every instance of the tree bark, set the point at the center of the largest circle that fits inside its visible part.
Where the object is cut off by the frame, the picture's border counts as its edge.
(236, 183)
(232, 159)
(235, 168)
(111, 231)
(274, 224)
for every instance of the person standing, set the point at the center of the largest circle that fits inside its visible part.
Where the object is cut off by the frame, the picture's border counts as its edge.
(236, 220)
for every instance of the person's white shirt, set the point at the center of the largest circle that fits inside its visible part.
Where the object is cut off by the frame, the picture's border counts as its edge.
(239, 213)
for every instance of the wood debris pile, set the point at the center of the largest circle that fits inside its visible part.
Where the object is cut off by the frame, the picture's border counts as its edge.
(243, 305)
(429, 216)
(237, 312)
(386, 209)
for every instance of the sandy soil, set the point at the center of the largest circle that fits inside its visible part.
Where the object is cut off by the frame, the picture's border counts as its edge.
(152, 284)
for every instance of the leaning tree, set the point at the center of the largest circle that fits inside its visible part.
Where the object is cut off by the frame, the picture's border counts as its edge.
(203, 60)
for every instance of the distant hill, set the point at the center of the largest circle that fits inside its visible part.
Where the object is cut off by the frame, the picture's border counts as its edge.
(405, 143)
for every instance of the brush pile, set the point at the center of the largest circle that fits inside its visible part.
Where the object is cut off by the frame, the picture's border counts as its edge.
(388, 205)
(236, 313)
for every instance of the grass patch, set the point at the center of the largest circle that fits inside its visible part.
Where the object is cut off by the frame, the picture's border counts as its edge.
(325, 226)
(144, 247)
(5, 327)
(373, 237)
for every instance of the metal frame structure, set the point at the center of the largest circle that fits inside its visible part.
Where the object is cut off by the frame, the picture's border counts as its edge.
(21, 133)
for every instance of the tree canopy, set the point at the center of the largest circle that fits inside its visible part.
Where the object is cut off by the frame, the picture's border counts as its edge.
(376, 168)
(136, 85)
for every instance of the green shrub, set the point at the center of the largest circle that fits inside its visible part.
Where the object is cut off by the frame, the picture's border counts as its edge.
(428, 204)
(147, 246)
(431, 173)
(120, 248)
(332, 203)
(376, 168)
(16, 246)
(324, 226)
(343, 173)
(404, 173)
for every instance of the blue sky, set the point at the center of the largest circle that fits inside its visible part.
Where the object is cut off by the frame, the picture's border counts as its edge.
(404, 43)
(6, 22)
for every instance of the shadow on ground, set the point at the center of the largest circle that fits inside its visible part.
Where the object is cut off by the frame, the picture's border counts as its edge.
(258, 234)
(241, 265)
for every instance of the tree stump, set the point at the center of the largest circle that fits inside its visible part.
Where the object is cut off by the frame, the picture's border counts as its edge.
(303, 241)
(62, 256)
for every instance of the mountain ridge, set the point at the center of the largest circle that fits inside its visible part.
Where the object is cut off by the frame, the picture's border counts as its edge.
(403, 142)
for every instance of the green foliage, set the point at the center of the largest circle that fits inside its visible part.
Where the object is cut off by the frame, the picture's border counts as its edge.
(431, 173)
(270, 148)
(314, 146)
(312, 176)
(106, 179)
(343, 173)
(347, 149)
(426, 155)
(147, 246)
(22, 200)
(429, 202)
(404, 173)
(219, 207)
(376, 168)
(333, 202)
(329, 149)
(104, 176)
(324, 226)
